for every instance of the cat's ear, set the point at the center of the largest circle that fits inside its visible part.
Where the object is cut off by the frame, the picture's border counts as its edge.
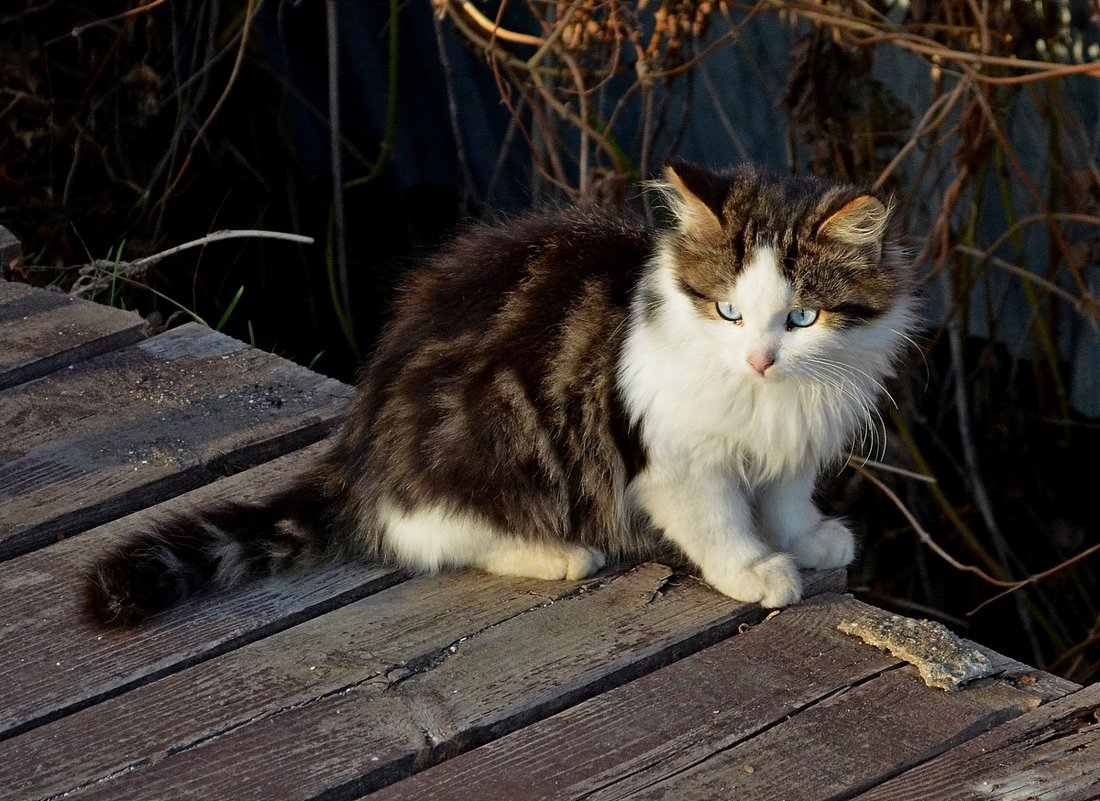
(860, 222)
(696, 196)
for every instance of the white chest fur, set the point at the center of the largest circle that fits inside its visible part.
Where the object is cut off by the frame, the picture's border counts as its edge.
(689, 383)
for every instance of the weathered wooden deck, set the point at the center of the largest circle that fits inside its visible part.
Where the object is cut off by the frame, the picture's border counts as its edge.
(637, 684)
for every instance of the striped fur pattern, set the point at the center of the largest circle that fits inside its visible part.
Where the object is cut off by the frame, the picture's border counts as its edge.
(570, 388)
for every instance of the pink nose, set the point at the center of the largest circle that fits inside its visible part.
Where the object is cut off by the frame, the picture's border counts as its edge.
(760, 362)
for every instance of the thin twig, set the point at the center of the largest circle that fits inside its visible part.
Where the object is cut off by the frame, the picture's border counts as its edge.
(1032, 579)
(336, 157)
(493, 28)
(233, 75)
(92, 275)
(1080, 305)
(218, 236)
(245, 28)
(926, 538)
(79, 29)
(890, 468)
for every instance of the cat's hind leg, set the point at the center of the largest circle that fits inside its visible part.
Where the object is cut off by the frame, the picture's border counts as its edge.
(511, 556)
(427, 540)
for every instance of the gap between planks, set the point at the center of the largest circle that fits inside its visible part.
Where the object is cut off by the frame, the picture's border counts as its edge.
(55, 663)
(1052, 753)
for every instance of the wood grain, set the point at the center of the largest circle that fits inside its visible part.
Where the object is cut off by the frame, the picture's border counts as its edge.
(370, 691)
(55, 663)
(1051, 753)
(132, 427)
(849, 741)
(383, 635)
(791, 708)
(41, 331)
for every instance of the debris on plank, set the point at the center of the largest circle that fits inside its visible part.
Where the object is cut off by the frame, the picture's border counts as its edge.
(941, 658)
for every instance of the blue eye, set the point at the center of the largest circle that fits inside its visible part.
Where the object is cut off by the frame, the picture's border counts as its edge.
(727, 311)
(802, 318)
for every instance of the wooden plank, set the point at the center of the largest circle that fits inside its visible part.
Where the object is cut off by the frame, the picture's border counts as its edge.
(410, 624)
(366, 692)
(41, 331)
(55, 665)
(874, 730)
(1050, 753)
(672, 717)
(135, 426)
(789, 709)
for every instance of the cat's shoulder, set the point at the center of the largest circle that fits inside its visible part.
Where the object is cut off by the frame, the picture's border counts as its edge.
(567, 243)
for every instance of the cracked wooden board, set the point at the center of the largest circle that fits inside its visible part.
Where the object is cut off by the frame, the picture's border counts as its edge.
(367, 692)
(1050, 754)
(55, 663)
(130, 428)
(789, 709)
(402, 628)
(42, 331)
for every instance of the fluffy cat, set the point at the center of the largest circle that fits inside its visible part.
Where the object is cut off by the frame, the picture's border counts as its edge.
(569, 388)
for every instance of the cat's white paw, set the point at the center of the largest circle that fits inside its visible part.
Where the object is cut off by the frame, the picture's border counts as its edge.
(582, 562)
(544, 561)
(772, 582)
(830, 545)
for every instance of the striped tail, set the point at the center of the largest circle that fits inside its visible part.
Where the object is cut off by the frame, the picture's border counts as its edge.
(205, 550)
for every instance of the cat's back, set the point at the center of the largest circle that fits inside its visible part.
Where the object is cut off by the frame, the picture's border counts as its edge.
(520, 273)
(493, 387)
(515, 320)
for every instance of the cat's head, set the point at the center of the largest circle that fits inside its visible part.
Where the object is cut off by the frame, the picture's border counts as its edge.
(787, 277)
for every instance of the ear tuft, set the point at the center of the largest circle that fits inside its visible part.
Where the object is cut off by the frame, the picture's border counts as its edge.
(696, 196)
(861, 221)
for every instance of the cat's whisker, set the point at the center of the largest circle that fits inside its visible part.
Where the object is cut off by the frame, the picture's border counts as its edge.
(910, 340)
(869, 408)
(881, 387)
(917, 347)
(874, 423)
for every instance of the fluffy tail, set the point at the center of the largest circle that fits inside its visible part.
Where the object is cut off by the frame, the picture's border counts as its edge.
(211, 548)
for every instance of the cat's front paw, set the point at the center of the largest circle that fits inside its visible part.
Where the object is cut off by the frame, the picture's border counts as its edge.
(773, 582)
(830, 545)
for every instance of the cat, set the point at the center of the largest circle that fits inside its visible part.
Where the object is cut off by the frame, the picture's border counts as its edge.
(569, 388)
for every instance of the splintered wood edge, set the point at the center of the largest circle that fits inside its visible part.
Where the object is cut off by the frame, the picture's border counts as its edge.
(940, 657)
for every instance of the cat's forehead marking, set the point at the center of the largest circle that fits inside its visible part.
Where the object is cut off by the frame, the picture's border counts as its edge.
(761, 281)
